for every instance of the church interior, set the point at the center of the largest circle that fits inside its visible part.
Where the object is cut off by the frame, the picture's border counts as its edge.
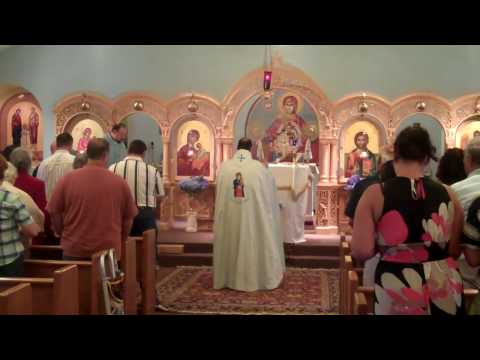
(319, 117)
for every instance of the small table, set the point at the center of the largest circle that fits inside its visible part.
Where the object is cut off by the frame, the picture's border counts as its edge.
(293, 182)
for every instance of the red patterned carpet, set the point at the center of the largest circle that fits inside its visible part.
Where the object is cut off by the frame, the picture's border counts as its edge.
(303, 291)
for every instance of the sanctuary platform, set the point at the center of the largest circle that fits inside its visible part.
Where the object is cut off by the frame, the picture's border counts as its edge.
(179, 248)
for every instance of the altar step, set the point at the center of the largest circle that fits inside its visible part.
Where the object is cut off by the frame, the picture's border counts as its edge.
(297, 255)
(202, 259)
(302, 249)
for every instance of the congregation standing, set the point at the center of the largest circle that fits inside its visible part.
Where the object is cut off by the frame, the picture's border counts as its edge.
(419, 237)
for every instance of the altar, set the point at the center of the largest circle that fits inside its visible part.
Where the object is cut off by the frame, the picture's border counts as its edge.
(294, 195)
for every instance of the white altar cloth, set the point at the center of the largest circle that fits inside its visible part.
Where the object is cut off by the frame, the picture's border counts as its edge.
(293, 182)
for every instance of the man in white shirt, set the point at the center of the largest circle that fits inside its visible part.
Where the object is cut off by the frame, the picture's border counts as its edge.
(60, 163)
(467, 191)
(145, 183)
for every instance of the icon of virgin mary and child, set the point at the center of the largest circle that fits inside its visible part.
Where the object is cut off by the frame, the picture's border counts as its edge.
(192, 158)
(286, 135)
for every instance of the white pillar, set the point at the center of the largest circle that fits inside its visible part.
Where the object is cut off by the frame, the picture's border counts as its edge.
(325, 163)
(333, 162)
(166, 159)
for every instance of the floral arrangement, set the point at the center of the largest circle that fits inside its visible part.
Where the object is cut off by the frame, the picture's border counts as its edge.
(193, 185)
(352, 181)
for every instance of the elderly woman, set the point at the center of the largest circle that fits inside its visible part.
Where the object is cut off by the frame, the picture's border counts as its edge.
(20, 158)
(415, 223)
(7, 184)
(15, 221)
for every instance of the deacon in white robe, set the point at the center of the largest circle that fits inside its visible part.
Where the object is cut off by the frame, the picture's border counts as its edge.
(248, 252)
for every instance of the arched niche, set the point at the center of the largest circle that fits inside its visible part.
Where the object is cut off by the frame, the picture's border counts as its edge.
(207, 112)
(80, 106)
(432, 112)
(360, 112)
(21, 121)
(264, 117)
(83, 127)
(192, 160)
(143, 102)
(467, 130)
(374, 138)
(192, 148)
(141, 126)
(465, 112)
(285, 78)
(433, 105)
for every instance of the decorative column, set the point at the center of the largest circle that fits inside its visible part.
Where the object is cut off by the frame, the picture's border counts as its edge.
(166, 216)
(166, 158)
(333, 161)
(226, 149)
(325, 161)
(218, 155)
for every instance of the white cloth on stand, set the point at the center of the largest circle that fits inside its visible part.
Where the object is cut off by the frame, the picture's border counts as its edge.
(248, 251)
(292, 181)
(260, 154)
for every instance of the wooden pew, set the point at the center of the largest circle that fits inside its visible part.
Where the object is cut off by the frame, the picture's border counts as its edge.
(355, 288)
(90, 288)
(53, 295)
(360, 304)
(128, 264)
(46, 252)
(345, 293)
(344, 250)
(16, 300)
(470, 295)
(44, 268)
(146, 269)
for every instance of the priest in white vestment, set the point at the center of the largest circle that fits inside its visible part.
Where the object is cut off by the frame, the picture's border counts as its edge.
(248, 250)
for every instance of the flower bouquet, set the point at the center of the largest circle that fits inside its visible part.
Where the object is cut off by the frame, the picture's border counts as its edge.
(352, 181)
(192, 186)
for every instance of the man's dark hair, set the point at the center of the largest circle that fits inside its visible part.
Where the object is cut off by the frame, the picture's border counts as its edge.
(118, 126)
(97, 148)
(64, 140)
(137, 147)
(8, 150)
(244, 144)
(450, 168)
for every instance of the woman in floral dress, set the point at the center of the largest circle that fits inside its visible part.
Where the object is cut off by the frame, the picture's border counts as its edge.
(415, 223)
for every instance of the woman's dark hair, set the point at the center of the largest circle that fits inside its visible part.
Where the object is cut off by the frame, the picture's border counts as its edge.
(451, 168)
(414, 144)
(387, 171)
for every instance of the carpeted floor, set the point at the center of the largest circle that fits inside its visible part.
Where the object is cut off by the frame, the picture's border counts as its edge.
(303, 291)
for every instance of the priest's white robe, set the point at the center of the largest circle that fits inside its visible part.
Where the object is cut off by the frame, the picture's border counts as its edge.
(248, 252)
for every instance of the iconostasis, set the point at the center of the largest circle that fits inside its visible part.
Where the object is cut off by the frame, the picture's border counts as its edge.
(192, 134)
